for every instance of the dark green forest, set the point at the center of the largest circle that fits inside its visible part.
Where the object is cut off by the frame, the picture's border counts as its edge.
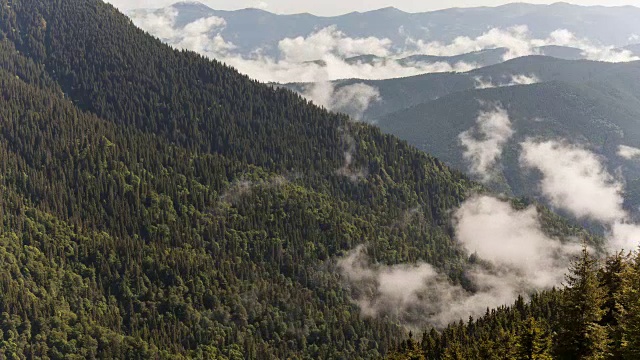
(157, 204)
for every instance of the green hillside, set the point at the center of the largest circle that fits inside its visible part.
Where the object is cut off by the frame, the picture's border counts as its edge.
(155, 204)
(596, 105)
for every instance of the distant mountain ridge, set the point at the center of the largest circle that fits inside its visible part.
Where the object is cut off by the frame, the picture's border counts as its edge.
(401, 93)
(251, 29)
(481, 58)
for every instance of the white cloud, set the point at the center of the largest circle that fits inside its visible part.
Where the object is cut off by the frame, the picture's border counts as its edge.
(628, 152)
(349, 170)
(331, 41)
(482, 83)
(320, 56)
(353, 99)
(520, 79)
(591, 51)
(515, 39)
(201, 36)
(484, 143)
(317, 57)
(519, 42)
(159, 23)
(624, 235)
(574, 179)
(198, 36)
(513, 239)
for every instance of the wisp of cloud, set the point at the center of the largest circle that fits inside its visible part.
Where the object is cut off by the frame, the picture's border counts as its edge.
(485, 141)
(576, 180)
(352, 100)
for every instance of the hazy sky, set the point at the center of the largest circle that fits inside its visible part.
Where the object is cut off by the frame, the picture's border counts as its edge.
(335, 7)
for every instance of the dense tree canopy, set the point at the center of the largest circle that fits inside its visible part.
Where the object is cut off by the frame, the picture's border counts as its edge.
(156, 204)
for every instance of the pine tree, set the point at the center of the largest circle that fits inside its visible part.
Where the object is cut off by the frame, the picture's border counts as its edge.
(534, 341)
(453, 352)
(612, 280)
(581, 336)
(629, 316)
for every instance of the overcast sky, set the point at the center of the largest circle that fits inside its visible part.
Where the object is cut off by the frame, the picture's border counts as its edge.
(336, 7)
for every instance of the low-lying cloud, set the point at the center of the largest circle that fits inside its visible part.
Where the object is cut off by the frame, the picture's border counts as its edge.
(352, 100)
(332, 41)
(350, 170)
(575, 179)
(518, 42)
(514, 239)
(516, 256)
(590, 51)
(515, 39)
(519, 79)
(628, 152)
(320, 56)
(519, 258)
(485, 141)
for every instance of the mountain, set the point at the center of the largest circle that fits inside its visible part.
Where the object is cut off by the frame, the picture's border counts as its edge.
(562, 52)
(157, 204)
(401, 93)
(252, 29)
(479, 59)
(592, 104)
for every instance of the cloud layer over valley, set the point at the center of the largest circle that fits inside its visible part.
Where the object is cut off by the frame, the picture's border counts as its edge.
(322, 55)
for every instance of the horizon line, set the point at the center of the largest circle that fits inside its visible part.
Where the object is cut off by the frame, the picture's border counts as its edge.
(203, 3)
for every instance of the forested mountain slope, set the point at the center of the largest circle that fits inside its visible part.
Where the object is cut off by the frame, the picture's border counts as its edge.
(155, 204)
(591, 104)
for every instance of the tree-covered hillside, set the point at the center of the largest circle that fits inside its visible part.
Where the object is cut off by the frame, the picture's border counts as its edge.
(594, 105)
(155, 204)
